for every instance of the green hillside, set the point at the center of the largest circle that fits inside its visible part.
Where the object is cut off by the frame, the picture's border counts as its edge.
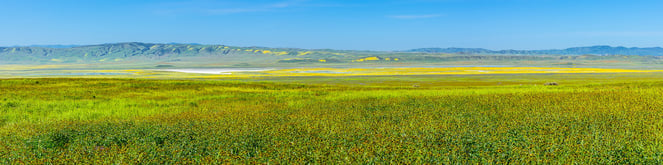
(129, 53)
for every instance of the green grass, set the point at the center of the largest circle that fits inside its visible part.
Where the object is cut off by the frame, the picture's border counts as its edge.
(480, 119)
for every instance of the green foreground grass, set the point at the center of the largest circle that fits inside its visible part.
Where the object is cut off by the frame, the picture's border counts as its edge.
(588, 119)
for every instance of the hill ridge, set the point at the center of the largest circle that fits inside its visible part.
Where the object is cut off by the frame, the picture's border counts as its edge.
(198, 54)
(592, 50)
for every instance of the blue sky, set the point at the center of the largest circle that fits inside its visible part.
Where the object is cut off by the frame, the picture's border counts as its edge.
(340, 24)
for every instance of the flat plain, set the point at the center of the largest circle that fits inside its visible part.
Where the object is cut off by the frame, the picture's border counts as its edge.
(593, 116)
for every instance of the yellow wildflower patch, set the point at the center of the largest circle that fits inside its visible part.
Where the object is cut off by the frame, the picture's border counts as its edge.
(281, 53)
(441, 71)
(371, 59)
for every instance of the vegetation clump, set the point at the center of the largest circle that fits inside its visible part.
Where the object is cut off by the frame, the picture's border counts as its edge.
(550, 83)
(164, 66)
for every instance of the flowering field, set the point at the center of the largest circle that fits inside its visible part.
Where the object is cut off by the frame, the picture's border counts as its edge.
(587, 118)
(42, 71)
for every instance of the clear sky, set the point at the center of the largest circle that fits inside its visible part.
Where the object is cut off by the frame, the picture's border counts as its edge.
(339, 24)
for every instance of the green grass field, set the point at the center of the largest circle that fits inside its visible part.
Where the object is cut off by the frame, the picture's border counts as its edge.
(601, 118)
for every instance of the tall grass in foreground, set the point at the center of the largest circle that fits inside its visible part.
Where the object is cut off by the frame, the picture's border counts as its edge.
(128, 121)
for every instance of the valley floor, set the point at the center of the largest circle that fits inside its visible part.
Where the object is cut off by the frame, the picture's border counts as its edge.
(589, 118)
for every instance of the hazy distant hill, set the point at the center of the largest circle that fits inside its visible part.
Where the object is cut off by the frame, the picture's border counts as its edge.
(136, 51)
(196, 55)
(594, 50)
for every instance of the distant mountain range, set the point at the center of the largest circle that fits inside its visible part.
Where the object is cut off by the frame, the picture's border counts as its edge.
(593, 50)
(589, 50)
(136, 52)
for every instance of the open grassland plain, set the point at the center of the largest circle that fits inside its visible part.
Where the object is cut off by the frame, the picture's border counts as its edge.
(243, 73)
(590, 118)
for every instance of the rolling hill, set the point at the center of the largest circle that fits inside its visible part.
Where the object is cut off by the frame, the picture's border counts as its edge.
(592, 50)
(148, 55)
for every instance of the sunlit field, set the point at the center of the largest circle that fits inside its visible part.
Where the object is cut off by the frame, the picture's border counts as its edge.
(590, 118)
(244, 73)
